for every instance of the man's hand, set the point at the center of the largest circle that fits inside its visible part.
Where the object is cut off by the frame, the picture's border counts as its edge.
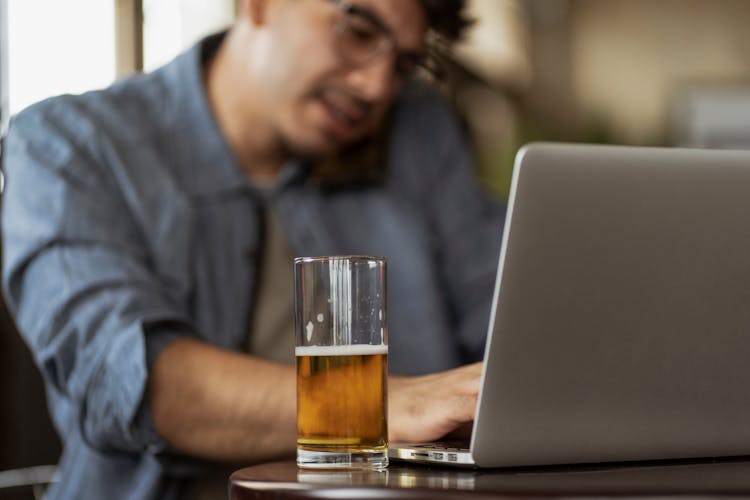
(428, 407)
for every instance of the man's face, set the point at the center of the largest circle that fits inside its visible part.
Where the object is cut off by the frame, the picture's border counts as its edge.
(321, 91)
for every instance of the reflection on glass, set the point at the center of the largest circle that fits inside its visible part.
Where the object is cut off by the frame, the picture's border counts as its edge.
(344, 477)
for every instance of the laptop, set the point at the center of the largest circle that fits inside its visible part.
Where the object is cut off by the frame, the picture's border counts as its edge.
(620, 329)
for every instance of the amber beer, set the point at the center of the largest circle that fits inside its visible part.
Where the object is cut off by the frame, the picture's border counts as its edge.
(341, 398)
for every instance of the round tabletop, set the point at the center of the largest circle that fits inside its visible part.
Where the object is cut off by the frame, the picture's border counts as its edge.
(283, 480)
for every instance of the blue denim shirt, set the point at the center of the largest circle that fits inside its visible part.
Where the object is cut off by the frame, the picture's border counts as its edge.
(127, 222)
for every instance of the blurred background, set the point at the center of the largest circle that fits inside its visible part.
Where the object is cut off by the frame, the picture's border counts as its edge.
(652, 72)
(642, 72)
(647, 72)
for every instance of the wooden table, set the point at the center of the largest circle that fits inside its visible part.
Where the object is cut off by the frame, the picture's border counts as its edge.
(684, 479)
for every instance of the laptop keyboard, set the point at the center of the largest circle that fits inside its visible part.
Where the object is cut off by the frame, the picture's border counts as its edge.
(445, 445)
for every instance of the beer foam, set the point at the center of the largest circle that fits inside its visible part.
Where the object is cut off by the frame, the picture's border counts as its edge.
(341, 350)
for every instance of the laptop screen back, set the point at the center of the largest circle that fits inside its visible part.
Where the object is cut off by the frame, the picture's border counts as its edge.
(621, 324)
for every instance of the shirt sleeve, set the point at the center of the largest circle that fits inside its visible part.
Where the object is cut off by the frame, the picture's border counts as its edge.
(78, 281)
(466, 222)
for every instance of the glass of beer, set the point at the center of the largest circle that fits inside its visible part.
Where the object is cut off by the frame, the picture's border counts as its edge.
(342, 362)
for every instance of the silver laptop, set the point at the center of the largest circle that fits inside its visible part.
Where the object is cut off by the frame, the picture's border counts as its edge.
(620, 328)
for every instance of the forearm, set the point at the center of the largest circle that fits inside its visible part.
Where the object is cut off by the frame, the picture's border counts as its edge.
(221, 405)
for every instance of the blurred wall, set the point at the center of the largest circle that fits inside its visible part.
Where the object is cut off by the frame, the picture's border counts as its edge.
(611, 69)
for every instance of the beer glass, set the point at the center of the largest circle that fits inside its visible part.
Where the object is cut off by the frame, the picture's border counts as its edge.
(342, 362)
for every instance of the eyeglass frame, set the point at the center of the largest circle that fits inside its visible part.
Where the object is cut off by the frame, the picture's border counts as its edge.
(406, 64)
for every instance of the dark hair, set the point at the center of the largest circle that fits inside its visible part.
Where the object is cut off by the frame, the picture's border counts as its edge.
(447, 18)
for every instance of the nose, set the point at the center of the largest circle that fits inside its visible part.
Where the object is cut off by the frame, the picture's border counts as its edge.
(376, 80)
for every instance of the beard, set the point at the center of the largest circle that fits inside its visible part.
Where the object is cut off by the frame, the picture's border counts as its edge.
(297, 149)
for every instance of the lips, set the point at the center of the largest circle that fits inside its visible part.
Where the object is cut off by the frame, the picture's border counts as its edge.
(346, 113)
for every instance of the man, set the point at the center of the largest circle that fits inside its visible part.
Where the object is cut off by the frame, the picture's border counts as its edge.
(149, 227)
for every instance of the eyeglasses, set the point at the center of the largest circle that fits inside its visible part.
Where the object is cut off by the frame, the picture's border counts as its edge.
(361, 37)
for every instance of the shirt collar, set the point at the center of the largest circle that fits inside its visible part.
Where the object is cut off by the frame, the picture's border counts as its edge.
(202, 157)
